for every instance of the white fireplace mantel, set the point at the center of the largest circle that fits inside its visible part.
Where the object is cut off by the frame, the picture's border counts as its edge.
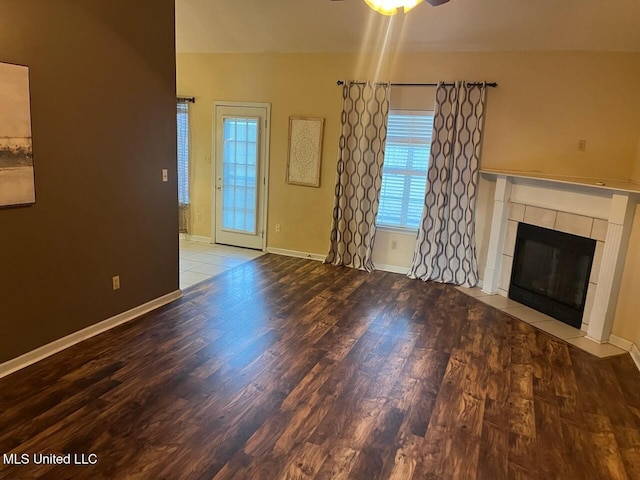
(594, 183)
(609, 200)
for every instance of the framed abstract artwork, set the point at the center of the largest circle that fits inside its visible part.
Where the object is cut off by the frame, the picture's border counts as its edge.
(17, 185)
(305, 151)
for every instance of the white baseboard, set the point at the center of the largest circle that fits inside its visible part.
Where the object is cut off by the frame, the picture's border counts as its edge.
(294, 253)
(200, 239)
(391, 268)
(627, 345)
(320, 257)
(635, 354)
(620, 342)
(195, 238)
(56, 346)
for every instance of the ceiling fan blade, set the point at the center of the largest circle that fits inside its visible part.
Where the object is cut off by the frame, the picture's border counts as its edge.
(435, 3)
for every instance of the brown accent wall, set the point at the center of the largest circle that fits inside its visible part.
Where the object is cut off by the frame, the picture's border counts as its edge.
(103, 114)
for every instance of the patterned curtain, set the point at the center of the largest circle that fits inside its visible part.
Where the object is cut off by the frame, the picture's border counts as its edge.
(445, 249)
(183, 218)
(365, 108)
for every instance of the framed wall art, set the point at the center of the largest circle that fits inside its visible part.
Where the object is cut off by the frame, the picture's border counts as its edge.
(305, 151)
(17, 186)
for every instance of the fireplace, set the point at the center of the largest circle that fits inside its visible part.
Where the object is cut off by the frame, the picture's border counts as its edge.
(551, 272)
(581, 207)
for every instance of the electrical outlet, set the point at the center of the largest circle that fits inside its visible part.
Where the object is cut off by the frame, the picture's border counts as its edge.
(582, 145)
(277, 228)
(115, 281)
(394, 244)
(165, 175)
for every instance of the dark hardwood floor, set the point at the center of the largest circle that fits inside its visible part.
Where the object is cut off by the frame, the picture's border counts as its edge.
(287, 368)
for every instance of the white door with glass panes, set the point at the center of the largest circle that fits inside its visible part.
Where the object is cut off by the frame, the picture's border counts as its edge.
(239, 177)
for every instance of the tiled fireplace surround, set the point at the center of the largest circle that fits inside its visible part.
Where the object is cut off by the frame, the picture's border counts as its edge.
(582, 226)
(601, 212)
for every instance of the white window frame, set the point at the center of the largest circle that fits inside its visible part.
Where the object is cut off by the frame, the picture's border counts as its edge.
(403, 229)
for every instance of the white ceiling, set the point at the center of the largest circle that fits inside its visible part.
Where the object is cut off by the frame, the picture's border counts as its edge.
(461, 25)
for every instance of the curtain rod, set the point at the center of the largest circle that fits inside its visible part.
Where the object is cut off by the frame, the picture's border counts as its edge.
(187, 99)
(492, 84)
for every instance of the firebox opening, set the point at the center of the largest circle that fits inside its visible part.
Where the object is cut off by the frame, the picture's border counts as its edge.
(551, 272)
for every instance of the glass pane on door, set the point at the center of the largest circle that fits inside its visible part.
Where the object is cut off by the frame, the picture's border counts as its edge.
(240, 174)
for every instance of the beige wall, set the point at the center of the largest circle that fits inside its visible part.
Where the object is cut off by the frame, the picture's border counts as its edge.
(103, 118)
(545, 103)
(295, 85)
(627, 317)
(635, 176)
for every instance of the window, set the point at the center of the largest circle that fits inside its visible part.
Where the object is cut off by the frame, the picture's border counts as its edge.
(183, 152)
(404, 174)
(240, 173)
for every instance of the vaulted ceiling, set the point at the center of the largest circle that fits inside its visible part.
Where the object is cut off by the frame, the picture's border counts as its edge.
(461, 25)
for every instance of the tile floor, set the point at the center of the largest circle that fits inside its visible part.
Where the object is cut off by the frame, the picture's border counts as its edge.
(539, 320)
(202, 261)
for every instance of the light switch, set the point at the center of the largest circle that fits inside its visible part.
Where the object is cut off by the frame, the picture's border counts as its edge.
(165, 175)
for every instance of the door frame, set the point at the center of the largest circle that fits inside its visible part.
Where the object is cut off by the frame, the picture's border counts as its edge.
(264, 164)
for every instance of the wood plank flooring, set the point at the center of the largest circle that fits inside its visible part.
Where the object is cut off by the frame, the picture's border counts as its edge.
(289, 369)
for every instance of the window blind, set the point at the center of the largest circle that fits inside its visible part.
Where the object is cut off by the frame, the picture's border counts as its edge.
(183, 152)
(404, 173)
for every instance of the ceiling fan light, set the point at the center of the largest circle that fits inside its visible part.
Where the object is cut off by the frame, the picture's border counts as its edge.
(385, 7)
(390, 7)
(409, 4)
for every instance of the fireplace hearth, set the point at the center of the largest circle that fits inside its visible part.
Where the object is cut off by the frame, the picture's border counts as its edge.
(551, 272)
